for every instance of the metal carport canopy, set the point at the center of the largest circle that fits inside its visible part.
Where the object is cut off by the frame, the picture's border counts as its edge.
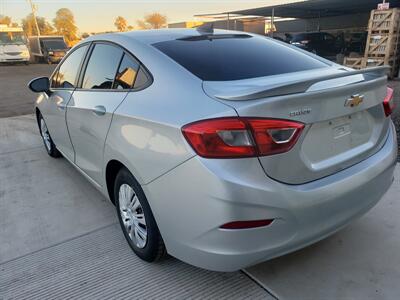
(314, 8)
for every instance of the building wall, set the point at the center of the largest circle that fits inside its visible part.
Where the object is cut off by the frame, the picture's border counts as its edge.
(254, 27)
(233, 25)
(189, 24)
(357, 21)
(223, 24)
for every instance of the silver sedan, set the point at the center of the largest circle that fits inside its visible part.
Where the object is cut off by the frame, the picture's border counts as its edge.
(221, 148)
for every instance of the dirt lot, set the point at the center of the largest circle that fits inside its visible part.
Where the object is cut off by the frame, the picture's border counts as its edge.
(16, 99)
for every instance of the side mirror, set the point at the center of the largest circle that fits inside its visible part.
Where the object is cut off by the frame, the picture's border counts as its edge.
(40, 85)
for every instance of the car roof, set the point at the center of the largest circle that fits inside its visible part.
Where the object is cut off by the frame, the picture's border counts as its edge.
(160, 35)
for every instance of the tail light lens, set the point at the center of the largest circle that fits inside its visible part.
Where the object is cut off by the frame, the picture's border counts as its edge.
(241, 137)
(274, 136)
(388, 102)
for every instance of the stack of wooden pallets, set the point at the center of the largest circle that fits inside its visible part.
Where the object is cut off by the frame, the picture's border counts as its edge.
(354, 62)
(383, 43)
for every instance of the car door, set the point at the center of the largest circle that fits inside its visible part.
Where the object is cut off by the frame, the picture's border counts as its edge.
(108, 77)
(63, 84)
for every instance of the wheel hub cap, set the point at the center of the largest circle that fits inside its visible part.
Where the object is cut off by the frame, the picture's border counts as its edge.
(132, 216)
(45, 134)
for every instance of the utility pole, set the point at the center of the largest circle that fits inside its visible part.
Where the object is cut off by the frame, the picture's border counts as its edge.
(34, 16)
(272, 22)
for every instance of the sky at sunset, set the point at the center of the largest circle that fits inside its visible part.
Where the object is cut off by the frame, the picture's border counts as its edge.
(99, 15)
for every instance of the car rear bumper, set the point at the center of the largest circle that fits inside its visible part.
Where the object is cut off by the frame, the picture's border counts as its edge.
(14, 59)
(191, 202)
(54, 59)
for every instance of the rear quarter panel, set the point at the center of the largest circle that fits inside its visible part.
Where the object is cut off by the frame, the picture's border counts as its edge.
(145, 133)
(146, 136)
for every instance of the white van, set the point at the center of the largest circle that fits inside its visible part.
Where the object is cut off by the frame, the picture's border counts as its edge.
(13, 45)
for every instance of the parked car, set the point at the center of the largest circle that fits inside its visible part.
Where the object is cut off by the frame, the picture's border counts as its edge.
(50, 49)
(356, 42)
(321, 43)
(13, 45)
(222, 148)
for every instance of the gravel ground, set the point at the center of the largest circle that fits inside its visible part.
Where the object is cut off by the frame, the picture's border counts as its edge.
(396, 115)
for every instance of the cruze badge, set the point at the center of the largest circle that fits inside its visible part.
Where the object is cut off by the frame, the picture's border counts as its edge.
(354, 100)
(300, 112)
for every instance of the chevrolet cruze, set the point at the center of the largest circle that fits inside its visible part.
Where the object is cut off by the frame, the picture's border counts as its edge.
(221, 148)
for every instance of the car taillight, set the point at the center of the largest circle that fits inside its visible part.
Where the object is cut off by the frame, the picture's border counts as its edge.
(388, 102)
(242, 137)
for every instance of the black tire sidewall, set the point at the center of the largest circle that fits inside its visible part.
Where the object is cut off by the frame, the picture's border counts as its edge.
(151, 250)
(53, 152)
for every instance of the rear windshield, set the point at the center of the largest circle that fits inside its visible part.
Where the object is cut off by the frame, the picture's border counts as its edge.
(235, 57)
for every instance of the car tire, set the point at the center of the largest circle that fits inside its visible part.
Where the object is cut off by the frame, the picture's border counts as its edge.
(136, 218)
(47, 140)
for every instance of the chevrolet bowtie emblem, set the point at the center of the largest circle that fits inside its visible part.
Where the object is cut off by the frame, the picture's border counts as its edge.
(354, 100)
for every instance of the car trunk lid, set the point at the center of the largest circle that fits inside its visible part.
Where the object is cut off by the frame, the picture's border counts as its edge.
(341, 109)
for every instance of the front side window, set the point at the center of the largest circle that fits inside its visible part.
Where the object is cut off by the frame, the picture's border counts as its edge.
(235, 57)
(53, 80)
(68, 71)
(102, 67)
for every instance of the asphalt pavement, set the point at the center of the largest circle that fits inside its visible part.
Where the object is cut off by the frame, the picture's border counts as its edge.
(15, 97)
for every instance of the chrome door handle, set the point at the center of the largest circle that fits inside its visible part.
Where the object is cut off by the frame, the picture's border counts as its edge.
(99, 110)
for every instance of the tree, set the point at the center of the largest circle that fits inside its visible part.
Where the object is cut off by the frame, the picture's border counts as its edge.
(153, 21)
(5, 20)
(85, 35)
(64, 22)
(142, 24)
(121, 23)
(28, 24)
(130, 28)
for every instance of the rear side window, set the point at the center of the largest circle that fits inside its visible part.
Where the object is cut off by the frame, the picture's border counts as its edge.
(102, 67)
(68, 71)
(236, 57)
(127, 73)
(142, 80)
